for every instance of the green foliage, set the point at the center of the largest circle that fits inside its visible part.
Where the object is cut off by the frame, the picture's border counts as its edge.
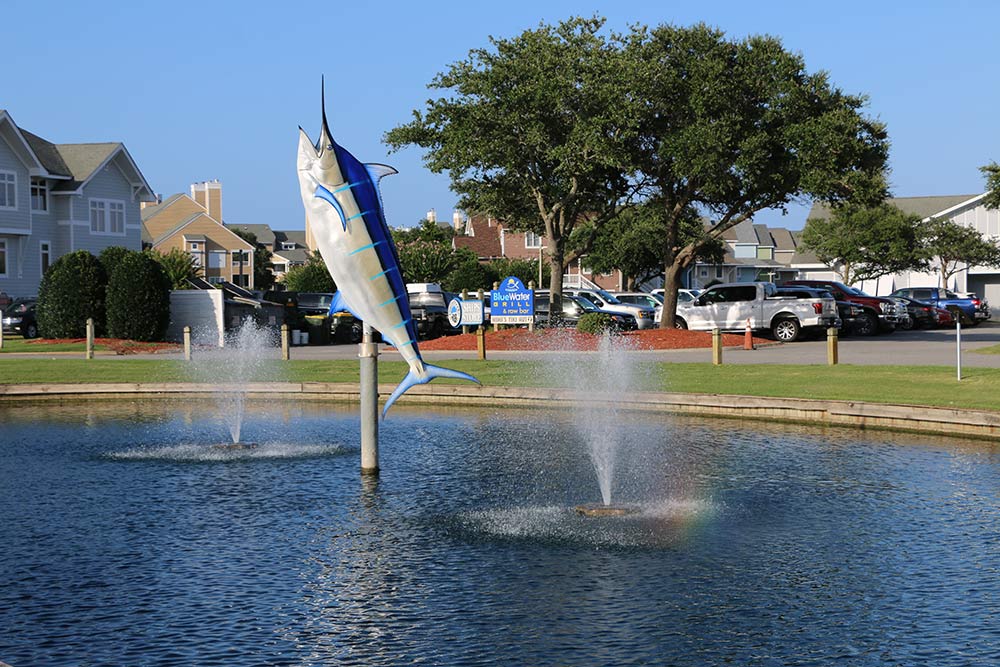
(72, 290)
(263, 276)
(138, 299)
(179, 266)
(867, 243)
(992, 174)
(524, 269)
(426, 261)
(470, 274)
(112, 256)
(313, 276)
(595, 323)
(426, 231)
(531, 131)
(952, 244)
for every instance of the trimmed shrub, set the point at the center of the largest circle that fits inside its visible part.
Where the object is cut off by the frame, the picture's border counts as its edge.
(111, 257)
(138, 299)
(72, 290)
(595, 323)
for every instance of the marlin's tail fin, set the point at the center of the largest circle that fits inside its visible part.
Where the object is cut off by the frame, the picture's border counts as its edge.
(430, 372)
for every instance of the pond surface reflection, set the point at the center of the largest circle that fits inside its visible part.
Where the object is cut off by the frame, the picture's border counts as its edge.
(130, 539)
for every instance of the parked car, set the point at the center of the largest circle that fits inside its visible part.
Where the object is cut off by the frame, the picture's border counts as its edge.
(575, 307)
(945, 318)
(19, 318)
(973, 309)
(429, 309)
(847, 311)
(922, 315)
(730, 306)
(314, 303)
(604, 300)
(880, 314)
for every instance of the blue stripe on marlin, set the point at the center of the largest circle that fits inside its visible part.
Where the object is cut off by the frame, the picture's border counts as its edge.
(344, 211)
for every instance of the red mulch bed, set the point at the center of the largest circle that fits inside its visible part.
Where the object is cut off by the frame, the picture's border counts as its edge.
(570, 339)
(116, 345)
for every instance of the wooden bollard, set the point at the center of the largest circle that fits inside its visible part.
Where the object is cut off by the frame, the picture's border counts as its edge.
(90, 339)
(832, 341)
(284, 342)
(716, 347)
(531, 324)
(187, 343)
(481, 342)
(465, 296)
(1, 328)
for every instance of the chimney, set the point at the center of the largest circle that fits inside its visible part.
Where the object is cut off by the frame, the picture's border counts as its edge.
(458, 222)
(432, 216)
(209, 195)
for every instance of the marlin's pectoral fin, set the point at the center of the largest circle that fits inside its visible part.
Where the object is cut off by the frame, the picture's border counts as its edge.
(327, 196)
(430, 372)
(378, 171)
(339, 304)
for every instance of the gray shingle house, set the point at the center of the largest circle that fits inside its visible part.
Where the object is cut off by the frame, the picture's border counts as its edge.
(58, 198)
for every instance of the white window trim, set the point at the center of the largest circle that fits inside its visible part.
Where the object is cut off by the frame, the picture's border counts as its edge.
(537, 240)
(44, 185)
(41, 253)
(217, 254)
(6, 257)
(107, 217)
(3, 184)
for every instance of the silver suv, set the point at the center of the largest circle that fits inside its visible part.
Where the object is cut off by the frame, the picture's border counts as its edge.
(644, 315)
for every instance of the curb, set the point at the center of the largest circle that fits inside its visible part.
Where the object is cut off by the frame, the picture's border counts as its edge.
(943, 421)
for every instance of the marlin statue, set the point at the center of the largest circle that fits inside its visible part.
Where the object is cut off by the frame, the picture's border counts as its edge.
(344, 210)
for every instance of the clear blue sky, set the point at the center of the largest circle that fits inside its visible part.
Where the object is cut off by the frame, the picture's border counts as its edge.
(206, 90)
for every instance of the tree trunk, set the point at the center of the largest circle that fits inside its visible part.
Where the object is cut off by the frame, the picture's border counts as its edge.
(555, 284)
(671, 282)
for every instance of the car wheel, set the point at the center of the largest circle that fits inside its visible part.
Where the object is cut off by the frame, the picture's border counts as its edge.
(437, 330)
(357, 332)
(787, 331)
(679, 323)
(866, 325)
(31, 331)
(906, 324)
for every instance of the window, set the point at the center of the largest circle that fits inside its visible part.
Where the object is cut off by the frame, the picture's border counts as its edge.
(217, 259)
(288, 245)
(107, 216)
(8, 189)
(39, 195)
(45, 255)
(196, 256)
(718, 272)
(3, 258)
(241, 257)
(532, 240)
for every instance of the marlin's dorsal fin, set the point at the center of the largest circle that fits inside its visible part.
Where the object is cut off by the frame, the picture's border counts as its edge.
(378, 171)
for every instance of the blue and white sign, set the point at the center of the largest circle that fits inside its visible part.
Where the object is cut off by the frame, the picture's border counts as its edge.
(512, 303)
(465, 312)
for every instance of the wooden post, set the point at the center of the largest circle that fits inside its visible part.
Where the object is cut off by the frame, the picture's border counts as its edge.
(187, 343)
(481, 342)
(496, 286)
(90, 338)
(1, 328)
(716, 347)
(465, 296)
(531, 324)
(831, 346)
(284, 342)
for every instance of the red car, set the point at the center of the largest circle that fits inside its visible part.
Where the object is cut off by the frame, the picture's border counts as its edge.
(944, 318)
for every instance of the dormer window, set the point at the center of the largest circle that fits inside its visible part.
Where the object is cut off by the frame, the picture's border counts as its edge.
(288, 245)
(39, 195)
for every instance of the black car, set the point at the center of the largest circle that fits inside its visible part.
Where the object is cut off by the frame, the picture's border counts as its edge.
(19, 318)
(575, 307)
(923, 315)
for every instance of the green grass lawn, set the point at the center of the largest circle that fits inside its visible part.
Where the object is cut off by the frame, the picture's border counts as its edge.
(913, 385)
(15, 344)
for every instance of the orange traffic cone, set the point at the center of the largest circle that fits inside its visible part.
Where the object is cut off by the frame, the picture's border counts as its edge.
(748, 337)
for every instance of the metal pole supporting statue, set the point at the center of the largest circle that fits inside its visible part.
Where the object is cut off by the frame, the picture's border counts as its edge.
(344, 210)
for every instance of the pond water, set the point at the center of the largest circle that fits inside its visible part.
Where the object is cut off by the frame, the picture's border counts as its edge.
(127, 539)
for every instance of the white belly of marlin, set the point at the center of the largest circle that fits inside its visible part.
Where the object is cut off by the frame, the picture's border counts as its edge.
(344, 210)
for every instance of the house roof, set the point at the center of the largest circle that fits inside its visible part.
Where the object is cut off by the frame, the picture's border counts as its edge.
(484, 239)
(149, 211)
(783, 239)
(191, 218)
(263, 233)
(48, 154)
(295, 256)
(925, 207)
(763, 235)
(298, 237)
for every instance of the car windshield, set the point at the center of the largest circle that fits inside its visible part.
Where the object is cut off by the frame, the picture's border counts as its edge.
(855, 291)
(607, 296)
(20, 306)
(586, 304)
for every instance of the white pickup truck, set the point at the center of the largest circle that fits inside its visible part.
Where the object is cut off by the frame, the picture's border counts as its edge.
(730, 305)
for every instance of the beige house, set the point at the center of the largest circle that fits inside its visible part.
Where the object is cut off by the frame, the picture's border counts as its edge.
(194, 224)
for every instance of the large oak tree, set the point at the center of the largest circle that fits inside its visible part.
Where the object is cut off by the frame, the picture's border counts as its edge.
(533, 131)
(733, 127)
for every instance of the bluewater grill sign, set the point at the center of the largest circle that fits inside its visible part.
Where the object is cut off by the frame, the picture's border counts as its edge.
(465, 312)
(512, 303)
